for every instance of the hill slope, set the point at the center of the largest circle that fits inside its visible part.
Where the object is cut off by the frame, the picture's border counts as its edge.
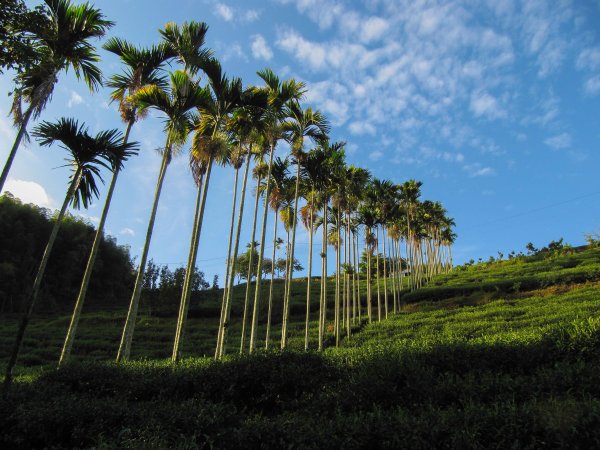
(490, 368)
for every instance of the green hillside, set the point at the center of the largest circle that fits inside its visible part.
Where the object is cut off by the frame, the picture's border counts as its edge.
(496, 355)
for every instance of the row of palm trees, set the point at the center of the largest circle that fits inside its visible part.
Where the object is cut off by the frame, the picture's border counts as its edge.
(227, 123)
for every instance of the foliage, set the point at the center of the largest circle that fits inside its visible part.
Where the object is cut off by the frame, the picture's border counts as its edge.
(25, 229)
(17, 51)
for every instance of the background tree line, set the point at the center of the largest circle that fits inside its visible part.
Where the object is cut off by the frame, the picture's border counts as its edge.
(23, 233)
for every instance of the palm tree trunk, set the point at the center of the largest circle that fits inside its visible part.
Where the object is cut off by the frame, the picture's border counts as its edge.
(229, 266)
(38, 281)
(337, 281)
(377, 272)
(323, 306)
(67, 346)
(286, 304)
(250, 262)
(357, 270)
(268, 336)
(261, 253)
(191, 251)
(393, 271)
(189, 273)
(369, 291)
(225, 326)
(385, 292)
(310, 254)
(15, 147)
(347, 262)
(128, 329)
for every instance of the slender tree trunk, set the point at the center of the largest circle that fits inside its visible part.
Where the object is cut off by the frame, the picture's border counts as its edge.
(261, 252)
(354, 271)
(323, 308)
(222, 334)
(337, 281)
(15, 147)
(190, 256)
(385, 292)
(310, 254)
(38, 281)
(357, 269)
(377, 272)
(347, 262)
(369, 292)
(393, 267)
(189, 273)
(268, 337)
(68, 344)
(229, 266)
(250, 262)
(286, 304)
(128, 329)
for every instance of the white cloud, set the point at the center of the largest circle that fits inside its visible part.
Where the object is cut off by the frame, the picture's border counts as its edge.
(303, 50)
(28, 192)
(483, 104)
(127, 232)
(375, 155)
(251, 15)
(477, 170)
(360, 128)
(559, 141)
(224, 12)
(260, 48)
(589, 58)
(592, 86)
(373, 29)
(75, 99)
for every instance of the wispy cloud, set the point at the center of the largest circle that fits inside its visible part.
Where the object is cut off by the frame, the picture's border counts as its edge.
(559, 142)
(485, 105)
(592, 86)
(478, 170)
(29, 192)
(127, 232)
(224, 12)
(260, 48)
(233, 14)
(75, 99)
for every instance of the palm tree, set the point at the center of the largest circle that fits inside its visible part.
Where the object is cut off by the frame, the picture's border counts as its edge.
(87, 155)
(62, 43)
(300, 125)
(143, 67)
(177, 103)
(410, 191)
(246, 123)
(313, 167)
(279, 95)
(280, 184)
(222, 97)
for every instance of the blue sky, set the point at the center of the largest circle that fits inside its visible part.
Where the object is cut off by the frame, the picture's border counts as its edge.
(493, 104)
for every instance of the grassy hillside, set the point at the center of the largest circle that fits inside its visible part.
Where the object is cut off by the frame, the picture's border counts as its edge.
(486, 368)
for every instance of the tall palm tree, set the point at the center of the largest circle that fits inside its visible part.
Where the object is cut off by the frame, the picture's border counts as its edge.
(313, 167)
(410, 191)
(356, 180)
(142, 67)
(62, 43)
(279, 95)
(87, 155)
(300, 125)
(333, 161)
(222, 97)
(246, 123)
(280, 183)
(177, 103)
